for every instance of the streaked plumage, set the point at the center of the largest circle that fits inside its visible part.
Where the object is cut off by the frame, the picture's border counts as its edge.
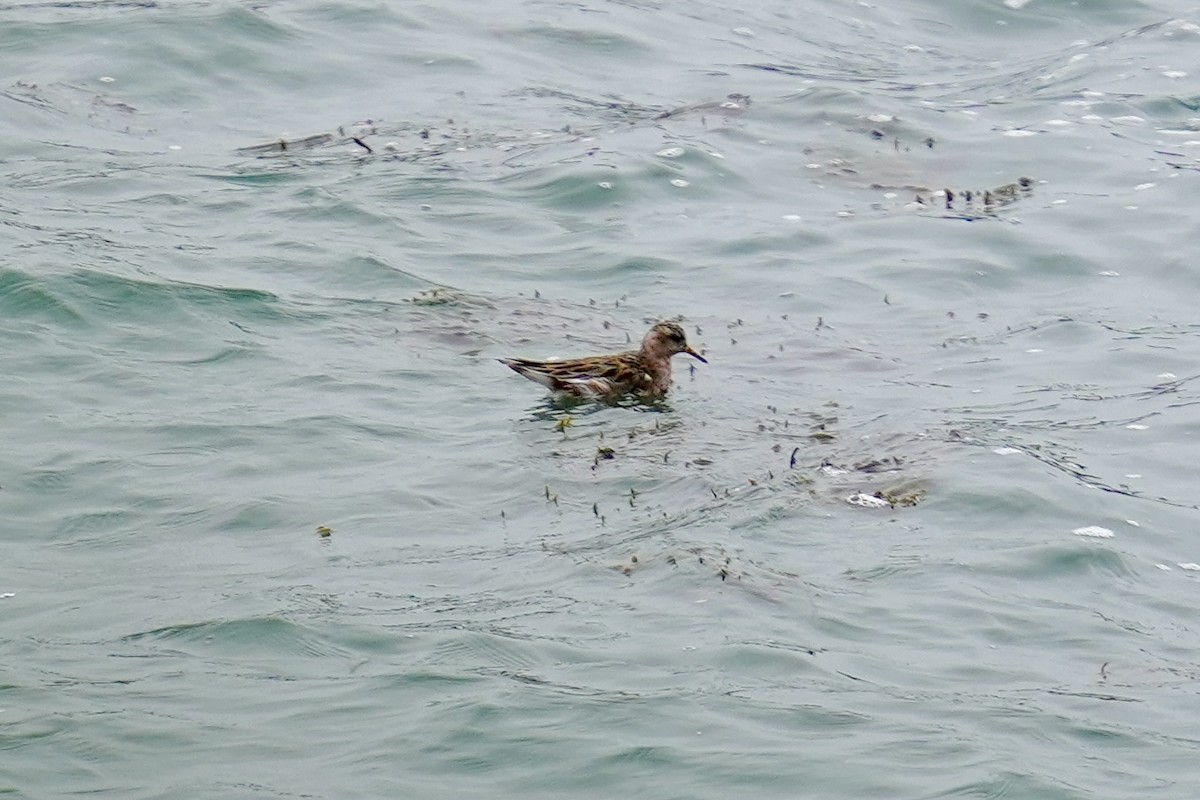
(646, 371)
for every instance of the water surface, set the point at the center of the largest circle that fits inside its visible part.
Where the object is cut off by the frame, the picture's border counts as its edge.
(218, 348)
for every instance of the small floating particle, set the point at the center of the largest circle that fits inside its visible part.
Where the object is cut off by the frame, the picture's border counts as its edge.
(1136, 426)
(1133, 522)
(1006, 451)
(1190, 566)
(679, 183)
(107, 79)
(324, 531)
(1094, 531)
(670, 152)
(605, 185)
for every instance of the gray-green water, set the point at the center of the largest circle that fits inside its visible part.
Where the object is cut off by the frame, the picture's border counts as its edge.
(209, 352)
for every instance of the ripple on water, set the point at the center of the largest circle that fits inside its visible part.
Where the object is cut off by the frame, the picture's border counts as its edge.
(269, 637)
(24, 297)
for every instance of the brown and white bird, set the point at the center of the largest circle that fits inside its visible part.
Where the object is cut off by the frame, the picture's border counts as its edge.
(645, 371)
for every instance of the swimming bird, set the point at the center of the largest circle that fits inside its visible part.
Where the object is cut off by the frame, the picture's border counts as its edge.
(645, 371)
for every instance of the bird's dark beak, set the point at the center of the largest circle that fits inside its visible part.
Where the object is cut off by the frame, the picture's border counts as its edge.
(695, 355)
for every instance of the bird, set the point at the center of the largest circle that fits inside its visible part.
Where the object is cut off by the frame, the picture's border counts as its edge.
(645, 371)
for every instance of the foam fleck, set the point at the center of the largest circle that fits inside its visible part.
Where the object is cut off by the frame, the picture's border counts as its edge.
(1094, 532)
(866, 500)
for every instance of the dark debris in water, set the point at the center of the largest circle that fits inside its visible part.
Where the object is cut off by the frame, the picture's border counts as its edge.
(975, 204)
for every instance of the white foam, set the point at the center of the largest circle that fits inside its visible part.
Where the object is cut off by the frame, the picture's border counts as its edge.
(1094, 531)
(866, 501)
